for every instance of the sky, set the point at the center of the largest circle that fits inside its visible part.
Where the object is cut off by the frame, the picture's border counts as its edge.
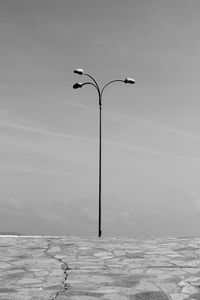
(150, 130)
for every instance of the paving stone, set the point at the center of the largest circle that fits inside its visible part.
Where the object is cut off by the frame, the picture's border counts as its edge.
(115, 296)
(149, 296)
(194, 297)
(178, 296)
(189, 289)
(147, 286)
(49, 268)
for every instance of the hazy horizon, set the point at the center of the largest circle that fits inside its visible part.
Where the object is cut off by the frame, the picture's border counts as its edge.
(150, 130)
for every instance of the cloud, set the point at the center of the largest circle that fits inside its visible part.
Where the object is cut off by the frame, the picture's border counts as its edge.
(52, 217)
(26, 169)
(146, 151)
(126, 216)
(21, 126)
(140, 121)
(78, 105)
(124, 146)
(196, 200)
(197, 203)
(173, 130)
(44, 131)
(12, 206)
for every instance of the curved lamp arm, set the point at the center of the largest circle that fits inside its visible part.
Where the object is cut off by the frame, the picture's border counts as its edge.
(80, 85)
(95, 84)
(81, 72)
(88, 75)
(115, 80)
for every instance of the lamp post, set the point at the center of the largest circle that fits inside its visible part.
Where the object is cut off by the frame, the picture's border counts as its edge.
(100, 92)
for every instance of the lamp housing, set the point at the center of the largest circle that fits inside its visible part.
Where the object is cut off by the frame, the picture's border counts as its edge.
(79, 71)
(129, 80)
(77, 85)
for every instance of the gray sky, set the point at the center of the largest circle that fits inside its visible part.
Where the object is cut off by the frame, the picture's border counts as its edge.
(49, 132)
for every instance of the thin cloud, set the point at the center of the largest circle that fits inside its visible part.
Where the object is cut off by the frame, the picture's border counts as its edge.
(24, 169)
(143, 150)
(137, 120)
(77, 104)
(173, 130)
(52, 217)
(12, 206)
(124, 146)
(44, 131)
(141, 121)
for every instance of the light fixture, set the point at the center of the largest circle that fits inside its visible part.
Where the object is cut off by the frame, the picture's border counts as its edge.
(77, 85)
(79, 71)
(129, 80)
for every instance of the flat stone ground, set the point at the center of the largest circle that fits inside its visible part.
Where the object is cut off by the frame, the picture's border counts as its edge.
(105, 268)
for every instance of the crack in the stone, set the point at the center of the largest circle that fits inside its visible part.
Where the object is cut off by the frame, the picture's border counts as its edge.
(64, 267)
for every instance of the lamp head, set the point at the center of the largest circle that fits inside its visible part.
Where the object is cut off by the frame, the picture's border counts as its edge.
(79, 71)
(77, 85)
(129, 80)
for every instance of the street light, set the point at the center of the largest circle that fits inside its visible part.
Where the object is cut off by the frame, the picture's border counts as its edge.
(77, 85)
(100, 92)
(79, 71)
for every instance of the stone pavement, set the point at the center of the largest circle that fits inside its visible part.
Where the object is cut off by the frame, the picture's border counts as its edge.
(106, 268)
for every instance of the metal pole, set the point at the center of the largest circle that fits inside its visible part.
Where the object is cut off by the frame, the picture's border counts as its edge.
(100, 108)
(100, 92)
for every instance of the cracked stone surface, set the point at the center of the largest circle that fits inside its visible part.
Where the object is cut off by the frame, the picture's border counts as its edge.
(106, 268)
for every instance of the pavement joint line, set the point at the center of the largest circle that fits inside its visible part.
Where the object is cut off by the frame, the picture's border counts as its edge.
(168, 296)
(64, 267)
